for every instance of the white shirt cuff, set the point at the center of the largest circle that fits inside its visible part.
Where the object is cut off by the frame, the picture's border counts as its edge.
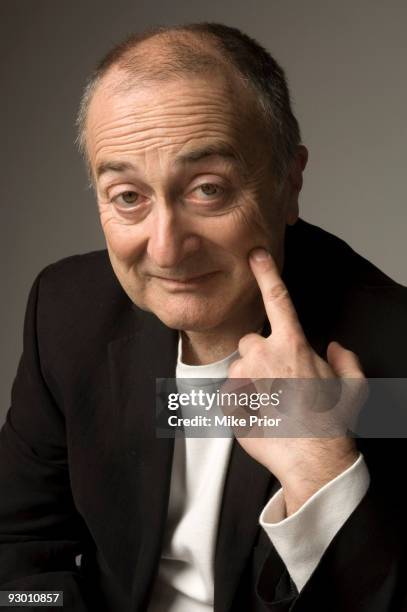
(302, 538)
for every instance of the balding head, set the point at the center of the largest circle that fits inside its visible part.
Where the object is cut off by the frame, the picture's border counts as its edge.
(207, 50)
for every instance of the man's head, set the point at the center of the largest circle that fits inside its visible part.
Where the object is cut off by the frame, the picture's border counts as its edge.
(195, 158)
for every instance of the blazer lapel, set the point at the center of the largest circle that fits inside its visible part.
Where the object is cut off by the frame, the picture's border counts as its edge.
(244, 495)
(247, 490)
(135, 362)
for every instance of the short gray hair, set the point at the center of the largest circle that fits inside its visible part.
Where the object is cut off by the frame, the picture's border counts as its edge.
(257, 68)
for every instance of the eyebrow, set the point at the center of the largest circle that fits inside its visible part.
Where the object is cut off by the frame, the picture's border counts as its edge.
(208, 151)
(193, 156)
(112, 166)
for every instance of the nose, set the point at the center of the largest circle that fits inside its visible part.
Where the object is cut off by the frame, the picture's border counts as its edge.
(171, 237)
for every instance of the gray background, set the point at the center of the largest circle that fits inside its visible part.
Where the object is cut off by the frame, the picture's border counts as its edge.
(346, 65)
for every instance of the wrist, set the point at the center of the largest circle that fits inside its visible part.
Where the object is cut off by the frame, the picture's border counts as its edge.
(303, 483)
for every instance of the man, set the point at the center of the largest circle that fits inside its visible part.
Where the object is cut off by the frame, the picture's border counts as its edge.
(196, 161)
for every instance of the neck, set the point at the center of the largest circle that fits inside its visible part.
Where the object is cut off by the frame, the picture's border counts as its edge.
(203, 347)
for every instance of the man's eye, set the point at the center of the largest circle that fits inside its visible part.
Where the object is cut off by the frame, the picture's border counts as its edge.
(127, 197)
(210, 189)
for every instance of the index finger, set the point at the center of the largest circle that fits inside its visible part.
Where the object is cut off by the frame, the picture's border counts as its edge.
(277, 301)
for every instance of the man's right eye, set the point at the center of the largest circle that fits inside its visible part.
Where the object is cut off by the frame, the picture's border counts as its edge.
(126, 198)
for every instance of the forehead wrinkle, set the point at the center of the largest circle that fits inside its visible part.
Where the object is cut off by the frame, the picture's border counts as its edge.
(140, 131)
(173, 121)
(126, 134)
(167, 111)
(153, 143)
(153, 139)
(138, 127)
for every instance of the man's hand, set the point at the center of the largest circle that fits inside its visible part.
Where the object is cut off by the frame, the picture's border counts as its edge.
(301, 464)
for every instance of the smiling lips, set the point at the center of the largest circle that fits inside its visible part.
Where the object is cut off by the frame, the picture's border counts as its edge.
(185, 283)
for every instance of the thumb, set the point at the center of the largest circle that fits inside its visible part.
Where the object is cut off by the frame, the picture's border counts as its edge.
(344, 363)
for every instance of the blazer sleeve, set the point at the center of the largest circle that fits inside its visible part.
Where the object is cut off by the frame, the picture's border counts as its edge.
(365, 566)
(41, 533)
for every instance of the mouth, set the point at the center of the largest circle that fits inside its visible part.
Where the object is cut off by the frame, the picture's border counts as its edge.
(185, 283)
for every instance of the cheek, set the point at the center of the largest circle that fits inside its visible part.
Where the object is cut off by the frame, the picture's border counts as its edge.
(244, 230)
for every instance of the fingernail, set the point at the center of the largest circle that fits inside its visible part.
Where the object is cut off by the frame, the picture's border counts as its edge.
(259, 254)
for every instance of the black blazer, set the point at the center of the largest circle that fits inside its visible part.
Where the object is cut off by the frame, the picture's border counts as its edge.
(81, 471)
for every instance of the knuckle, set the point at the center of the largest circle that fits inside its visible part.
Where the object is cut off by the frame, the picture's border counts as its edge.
(247, 342)
(259, 352)
(301, 345)
(276, 292)
(295, 342)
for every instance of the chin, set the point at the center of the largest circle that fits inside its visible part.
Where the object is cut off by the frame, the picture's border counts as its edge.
(200, 318)
(188, 323)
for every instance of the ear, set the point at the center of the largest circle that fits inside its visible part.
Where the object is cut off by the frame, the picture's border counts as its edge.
(294, 183)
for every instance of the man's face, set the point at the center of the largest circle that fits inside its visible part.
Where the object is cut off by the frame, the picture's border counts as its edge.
(185, 191)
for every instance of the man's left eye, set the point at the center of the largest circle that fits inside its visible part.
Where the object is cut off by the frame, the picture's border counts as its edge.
(210, 190)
